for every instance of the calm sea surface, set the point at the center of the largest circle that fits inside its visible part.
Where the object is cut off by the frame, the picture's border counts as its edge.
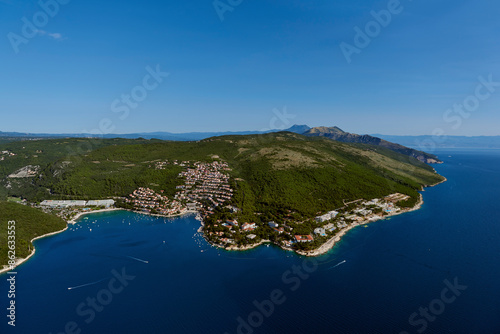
(121, 272)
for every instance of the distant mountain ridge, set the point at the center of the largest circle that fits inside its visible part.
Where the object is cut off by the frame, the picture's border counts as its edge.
(334, 133)
(188, 136)
(338, 134)
(408, 145)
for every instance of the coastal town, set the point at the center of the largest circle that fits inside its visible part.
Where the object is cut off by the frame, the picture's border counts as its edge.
(306, 236)
(203, 185)
(205, 188)
(206, 181)
(148, 201)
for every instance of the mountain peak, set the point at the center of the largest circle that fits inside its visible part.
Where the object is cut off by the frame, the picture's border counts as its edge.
(300, 129)
(338, 134)
(326, 130)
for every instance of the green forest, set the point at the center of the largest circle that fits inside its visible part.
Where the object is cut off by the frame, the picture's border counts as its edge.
(283, 176)
(29, 223)
(272, 172)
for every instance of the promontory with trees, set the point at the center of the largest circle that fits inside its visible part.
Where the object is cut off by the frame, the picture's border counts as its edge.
(295, 191)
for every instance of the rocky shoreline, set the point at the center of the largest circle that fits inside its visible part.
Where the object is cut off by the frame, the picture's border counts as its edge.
(20, 261)
(324, 248)
(328, 245)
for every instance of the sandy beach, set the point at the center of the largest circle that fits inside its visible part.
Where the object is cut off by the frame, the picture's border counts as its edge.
(80, 214)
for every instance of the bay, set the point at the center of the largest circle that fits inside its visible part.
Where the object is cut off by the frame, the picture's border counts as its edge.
(373, 281)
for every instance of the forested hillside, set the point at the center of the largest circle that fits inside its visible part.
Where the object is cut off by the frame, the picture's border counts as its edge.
(277, 171)
(29, 223)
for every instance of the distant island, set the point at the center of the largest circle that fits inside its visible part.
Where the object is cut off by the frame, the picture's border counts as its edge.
(301, 192)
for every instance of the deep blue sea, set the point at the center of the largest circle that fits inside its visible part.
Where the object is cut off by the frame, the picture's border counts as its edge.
(435, 270)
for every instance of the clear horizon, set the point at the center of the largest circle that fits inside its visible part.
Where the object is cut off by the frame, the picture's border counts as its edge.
(369, 67)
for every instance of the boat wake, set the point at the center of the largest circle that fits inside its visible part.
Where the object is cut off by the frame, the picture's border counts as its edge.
(338, 264)
(88, 284)
(134, 258)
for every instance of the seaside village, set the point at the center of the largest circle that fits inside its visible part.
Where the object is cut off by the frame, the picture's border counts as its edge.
(300, 235)
(206, 185)
(206, 191)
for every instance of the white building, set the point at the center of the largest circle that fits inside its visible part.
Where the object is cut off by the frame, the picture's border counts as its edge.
(273, 224)
(327, 216)
(330, 227)
(363, 212)
(62, 204)
(320, 231)
(65, 204)
(106, 203)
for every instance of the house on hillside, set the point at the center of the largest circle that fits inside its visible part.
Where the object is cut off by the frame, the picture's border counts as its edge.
(248, 227)
(320, 231)
(273, 224)
(304, 238)
(327, 216)
(232, 222)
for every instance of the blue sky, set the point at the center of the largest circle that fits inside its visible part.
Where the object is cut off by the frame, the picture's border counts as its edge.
(264, 56)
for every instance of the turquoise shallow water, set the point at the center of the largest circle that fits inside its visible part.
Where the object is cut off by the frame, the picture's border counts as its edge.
(176, 283)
